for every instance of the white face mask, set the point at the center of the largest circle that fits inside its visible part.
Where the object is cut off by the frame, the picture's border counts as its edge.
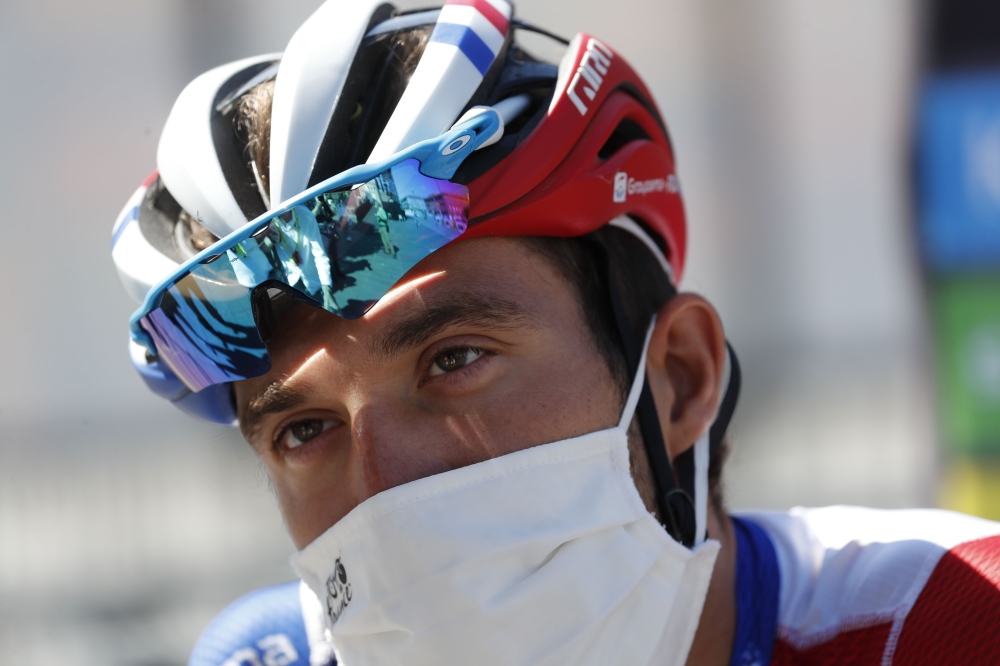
(544, 556)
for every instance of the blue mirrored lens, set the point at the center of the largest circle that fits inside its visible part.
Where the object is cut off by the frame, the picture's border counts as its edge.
(341, 251)
(205, 330)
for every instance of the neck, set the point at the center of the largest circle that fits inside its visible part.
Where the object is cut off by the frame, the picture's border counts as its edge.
(713, 641)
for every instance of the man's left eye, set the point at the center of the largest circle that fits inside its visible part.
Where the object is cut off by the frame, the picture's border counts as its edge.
(454, 359)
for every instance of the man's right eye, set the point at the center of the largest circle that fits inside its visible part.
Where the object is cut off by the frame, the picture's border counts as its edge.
(298, 433)
(454, 359)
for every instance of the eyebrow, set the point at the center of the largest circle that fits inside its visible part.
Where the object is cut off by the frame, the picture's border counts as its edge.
(275, 397)
(463, 309)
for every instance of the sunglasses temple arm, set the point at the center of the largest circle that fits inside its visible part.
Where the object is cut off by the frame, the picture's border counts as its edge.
(441, 157)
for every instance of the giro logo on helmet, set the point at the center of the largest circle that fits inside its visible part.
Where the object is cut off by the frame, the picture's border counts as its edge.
(593, 67)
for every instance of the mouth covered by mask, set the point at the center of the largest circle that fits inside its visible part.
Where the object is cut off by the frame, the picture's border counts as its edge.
(543, 556)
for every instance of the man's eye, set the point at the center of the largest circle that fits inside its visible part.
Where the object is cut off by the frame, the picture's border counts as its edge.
(300, 432)
(454, 359)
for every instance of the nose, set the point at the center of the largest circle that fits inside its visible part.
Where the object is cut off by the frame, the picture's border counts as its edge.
(393, 448)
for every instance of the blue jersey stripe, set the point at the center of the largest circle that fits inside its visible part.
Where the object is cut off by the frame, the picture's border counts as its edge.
(467, 41)
(265, 626)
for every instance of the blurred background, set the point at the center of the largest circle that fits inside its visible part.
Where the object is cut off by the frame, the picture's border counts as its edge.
(841, 166)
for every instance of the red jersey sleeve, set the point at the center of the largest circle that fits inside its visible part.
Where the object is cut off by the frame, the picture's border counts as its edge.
(866, 586)
(956, 618)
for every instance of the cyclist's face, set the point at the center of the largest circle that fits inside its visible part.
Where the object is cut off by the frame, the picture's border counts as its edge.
(482, 352)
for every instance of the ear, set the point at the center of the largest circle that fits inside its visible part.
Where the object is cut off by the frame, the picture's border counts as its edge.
(685, 364)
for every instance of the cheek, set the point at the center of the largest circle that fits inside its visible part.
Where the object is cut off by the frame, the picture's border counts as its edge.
(558, 395)
(314, 496)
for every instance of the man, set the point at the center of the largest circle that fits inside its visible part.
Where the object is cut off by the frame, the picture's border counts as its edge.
(300, 247)
(509, 451)
(382, 219)
(329, 223)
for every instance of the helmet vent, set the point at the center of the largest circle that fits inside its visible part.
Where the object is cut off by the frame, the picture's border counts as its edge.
(626, 132)
(231, 141)
(378, 77)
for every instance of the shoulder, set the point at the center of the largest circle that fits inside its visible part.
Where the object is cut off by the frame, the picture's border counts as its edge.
(273, 626)
(859, 582)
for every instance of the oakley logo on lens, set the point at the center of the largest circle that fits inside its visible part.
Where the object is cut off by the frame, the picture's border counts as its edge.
(457, 145)
(593, 68)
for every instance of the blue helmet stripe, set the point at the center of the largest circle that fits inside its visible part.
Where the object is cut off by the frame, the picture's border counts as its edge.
(468, 42)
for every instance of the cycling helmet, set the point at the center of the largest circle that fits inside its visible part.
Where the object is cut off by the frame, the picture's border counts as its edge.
(360, 81)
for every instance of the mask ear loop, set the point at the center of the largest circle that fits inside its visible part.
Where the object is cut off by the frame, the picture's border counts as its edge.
(675, 505)
(684, 506)
(638, 383)
(701, 460)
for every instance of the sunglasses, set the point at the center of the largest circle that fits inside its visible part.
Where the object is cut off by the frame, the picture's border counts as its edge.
(340, 246)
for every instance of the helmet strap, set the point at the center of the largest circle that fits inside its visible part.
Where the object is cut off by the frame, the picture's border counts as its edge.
(674, 503)
(682, 500)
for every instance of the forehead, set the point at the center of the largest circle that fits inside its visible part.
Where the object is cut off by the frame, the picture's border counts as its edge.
(483, 262)
(498, 281)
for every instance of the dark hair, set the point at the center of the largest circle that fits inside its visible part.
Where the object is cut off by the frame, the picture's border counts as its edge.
(642, 288)
(373, 108)
(253, 121)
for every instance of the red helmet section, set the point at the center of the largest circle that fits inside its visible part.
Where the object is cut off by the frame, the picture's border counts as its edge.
(556, 183)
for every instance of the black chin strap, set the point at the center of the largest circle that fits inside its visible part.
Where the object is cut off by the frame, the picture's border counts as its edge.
(728, 405)
(674, 500)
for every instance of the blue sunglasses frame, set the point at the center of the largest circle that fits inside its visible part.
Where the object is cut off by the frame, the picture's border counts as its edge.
(438, 158)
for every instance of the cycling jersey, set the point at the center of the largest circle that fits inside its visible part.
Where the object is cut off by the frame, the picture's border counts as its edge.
(840, 585)
(864, 586)
(276, 626)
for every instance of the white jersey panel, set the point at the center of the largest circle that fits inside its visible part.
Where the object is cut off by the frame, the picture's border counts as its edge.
(851, 567)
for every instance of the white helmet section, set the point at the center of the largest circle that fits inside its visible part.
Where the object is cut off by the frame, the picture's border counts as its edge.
(186, 157)
(310, 80)
(467, 39)
(139, 264)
